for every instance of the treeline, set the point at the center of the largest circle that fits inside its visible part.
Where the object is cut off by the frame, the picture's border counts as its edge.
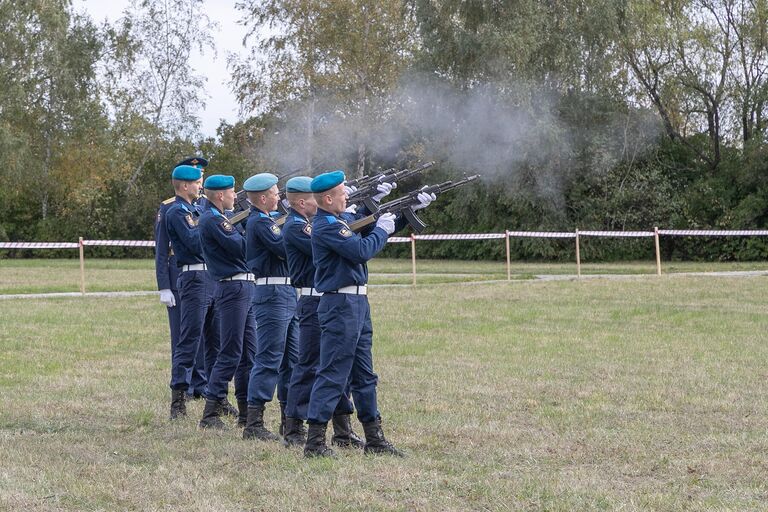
(590, 114)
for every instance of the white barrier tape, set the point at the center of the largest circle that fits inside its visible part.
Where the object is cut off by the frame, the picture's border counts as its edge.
(628, 234)
(541, 234)
(398, 239)
(120, 243)
(703, 232)
(476, 236)
(38, 245)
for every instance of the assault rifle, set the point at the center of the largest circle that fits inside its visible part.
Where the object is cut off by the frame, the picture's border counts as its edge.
(405, 204)
(240, 216)
(366, 186)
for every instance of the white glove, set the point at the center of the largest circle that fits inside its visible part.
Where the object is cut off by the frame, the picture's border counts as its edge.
(167, 298)
(387, 223)
(351, 209)
(349, 190)
(384, 190)
(424, 200)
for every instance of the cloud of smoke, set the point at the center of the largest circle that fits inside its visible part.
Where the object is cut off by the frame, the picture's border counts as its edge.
(514, 135)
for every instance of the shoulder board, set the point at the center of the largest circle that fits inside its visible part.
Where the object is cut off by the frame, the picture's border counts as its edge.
(169, 200)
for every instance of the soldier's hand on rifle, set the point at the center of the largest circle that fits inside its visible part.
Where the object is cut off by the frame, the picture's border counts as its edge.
(384, 190)
(387, 223)
(167, 298)
(425, 200)
(351, 209)
(349, 190)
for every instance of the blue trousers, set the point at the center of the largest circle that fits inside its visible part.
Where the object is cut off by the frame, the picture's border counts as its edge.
(200, 370)
(199, 331)
(232, 301)
(346, 338)
(276, 343)
(303, 376)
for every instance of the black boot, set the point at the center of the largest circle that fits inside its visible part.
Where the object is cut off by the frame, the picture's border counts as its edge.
(294, 435)
(281, 430)
(316, 446)
(343, 435)
(227, 409)
(254, 425)
(242, 416)
(375, 442)
(211, 416)
(178, 405)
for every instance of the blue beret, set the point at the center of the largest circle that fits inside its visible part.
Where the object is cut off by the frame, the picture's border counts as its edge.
(219, 182)
(259, 182)
(194, 161)
(186, 173)
(327, 181)
(299, 184)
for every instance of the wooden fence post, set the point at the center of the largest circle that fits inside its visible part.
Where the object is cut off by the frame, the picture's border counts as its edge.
(413, 257)
(578, 255)
(658, 251)
(82, 266)
(509, 269)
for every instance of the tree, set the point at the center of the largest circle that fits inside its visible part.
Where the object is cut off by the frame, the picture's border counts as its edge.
(345, 55)
(151, 89)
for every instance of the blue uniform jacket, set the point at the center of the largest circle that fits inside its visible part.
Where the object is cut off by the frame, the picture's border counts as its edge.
(341, 255)
(223, 245)
(166, 271)
(181, 222)
(297, 237)
(265, 251)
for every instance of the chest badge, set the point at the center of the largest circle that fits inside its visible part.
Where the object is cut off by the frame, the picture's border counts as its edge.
(226, 226)
(345, 232)
(275, 229)
(307, 229)
(192, 223)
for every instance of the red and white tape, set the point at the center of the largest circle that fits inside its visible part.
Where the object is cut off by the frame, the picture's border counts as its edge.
(541, 234)
(38, 245)
(710, 232)
(626, 234)
(120, 243)
(405, 239)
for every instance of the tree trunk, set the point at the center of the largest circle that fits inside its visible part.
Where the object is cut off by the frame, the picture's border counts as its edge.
(310, 134)
(360, 171)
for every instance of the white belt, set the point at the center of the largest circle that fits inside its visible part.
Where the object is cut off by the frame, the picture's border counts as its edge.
(273, 280)
(354, 290)
(243, 276)
(196, 266)
(309, 292)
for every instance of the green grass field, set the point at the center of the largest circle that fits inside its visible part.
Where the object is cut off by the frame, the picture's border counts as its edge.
(18, 276)
(641, 393)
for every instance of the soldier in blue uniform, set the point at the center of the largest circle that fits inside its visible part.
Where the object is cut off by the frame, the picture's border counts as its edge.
(297, 236)
(341, 274)
(167, 274)
(195, 287)
(274, 304)
(224, 255)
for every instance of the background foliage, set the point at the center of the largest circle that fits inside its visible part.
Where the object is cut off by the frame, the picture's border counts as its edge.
(593, 114)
